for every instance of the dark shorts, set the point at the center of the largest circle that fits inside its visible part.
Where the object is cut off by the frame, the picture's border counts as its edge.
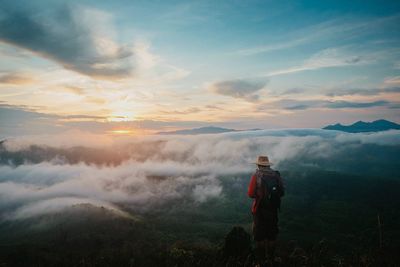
(265, 224)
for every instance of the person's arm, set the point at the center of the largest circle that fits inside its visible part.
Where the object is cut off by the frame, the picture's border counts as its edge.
(251, 192)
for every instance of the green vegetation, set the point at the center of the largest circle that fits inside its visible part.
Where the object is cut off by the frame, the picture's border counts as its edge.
(327, 218)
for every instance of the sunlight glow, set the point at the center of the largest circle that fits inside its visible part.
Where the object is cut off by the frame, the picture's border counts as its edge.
(121, 132)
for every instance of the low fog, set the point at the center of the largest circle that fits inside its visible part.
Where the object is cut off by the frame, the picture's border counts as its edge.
(45, 174)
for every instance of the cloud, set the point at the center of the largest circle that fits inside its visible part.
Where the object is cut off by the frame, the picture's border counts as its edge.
(18, 120)
(22, 120)
(54, 205)
(202, 193)
(292, 91)
(74, 89)
(272, 47)
(182, 111)
(155, 171)
(338, 28)
(13, 115)
(77, 37)
(292, 104)
(392, 81)
(244, 89)
(349, 104)
(15, 79)
(140, 185)
(360, 91)
(332, 57)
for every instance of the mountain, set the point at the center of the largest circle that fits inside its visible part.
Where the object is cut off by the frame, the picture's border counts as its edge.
(204, 130)
(361, 126)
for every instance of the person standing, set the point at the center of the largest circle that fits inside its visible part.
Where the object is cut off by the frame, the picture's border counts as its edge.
(267, 189)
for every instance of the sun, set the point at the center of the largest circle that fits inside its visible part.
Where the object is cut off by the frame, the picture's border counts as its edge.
(121, 132)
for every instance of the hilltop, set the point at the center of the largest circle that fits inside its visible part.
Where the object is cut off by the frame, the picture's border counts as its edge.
(361, 126)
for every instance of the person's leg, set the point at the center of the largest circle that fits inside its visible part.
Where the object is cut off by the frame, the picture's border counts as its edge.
(259, 231)
(272, 235)
(270, 249)
(260, 251)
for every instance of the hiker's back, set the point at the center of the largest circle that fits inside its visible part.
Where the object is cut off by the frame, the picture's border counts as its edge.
(271, 189)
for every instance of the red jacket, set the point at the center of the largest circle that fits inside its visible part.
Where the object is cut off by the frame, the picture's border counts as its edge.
(257, 194)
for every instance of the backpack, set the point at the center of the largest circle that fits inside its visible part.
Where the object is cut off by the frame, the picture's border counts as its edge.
(268, 182)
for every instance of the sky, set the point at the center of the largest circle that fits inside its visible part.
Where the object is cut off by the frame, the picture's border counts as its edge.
(139, 67)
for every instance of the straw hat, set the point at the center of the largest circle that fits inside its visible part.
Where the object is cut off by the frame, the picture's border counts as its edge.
(263, 161)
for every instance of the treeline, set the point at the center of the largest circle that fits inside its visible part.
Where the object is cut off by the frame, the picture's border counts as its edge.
(327, 218)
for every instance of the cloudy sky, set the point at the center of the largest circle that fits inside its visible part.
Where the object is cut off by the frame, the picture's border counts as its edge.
(138, 67)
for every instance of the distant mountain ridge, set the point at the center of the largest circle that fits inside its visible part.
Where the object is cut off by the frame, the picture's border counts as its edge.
(204, 130)
(357, 127)
(362, 127)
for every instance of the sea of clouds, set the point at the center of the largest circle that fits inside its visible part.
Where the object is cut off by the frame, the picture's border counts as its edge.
(45, 174)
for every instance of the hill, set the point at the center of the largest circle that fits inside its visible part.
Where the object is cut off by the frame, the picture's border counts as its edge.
(322, 222)
(361, 126)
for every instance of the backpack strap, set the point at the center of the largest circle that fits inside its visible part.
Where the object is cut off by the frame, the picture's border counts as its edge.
(260, 191)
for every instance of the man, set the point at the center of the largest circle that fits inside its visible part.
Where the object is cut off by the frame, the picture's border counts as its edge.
(266, 187)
